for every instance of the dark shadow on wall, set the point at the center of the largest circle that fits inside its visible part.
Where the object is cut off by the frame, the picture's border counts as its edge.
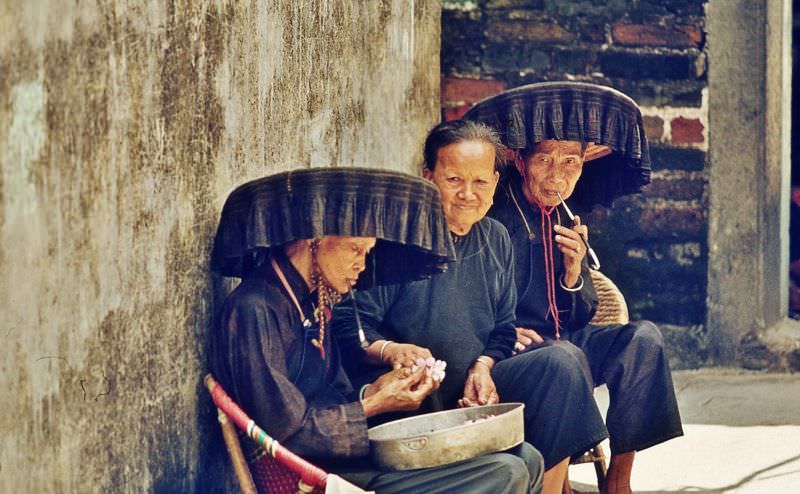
(216, 473)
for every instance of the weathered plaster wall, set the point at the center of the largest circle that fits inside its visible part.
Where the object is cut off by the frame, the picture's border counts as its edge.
(122, 129)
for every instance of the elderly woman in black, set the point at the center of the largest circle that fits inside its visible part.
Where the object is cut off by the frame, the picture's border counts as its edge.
(586, 143)
(465, 316)
(299, 241)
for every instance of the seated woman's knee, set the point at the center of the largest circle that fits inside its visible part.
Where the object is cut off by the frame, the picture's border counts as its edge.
(511, 470)
(647, 335)
(568, 360)
(534, 462)
(570, 349)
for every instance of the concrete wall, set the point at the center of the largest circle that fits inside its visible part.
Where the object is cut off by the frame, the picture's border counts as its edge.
(750, 77)
(122, 129)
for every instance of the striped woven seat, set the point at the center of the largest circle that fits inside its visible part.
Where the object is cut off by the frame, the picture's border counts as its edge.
(275, 469)
(611, 306)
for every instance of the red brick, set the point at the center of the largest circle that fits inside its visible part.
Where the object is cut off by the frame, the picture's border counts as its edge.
(693, 32)
(683, 36)
(455, 112)
(653, 127)
(540, 31)
(686, 130)
(460, 90)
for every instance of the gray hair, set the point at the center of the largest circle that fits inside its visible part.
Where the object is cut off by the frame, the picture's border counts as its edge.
(457, 131)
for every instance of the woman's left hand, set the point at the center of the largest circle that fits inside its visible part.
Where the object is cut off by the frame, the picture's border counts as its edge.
(479, 388)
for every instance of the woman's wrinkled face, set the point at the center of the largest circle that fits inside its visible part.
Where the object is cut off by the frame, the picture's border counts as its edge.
(466, 178)
(342, 259)
(553, 168)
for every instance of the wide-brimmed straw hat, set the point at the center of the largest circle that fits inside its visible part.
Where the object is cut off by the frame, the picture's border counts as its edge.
(576, 111)
(402, 211)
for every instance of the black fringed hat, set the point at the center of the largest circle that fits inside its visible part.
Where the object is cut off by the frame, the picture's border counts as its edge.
(403, 212)
(576, 111)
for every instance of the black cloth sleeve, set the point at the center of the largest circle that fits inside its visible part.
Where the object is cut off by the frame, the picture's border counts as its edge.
(500, 344)
(257, 360)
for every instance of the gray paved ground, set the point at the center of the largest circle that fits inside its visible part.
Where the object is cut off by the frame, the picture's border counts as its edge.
(742, 435)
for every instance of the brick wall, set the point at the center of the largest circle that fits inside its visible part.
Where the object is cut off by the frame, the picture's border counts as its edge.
(653, 245)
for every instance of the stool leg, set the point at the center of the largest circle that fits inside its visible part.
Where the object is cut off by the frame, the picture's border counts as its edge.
(600, 467)
(240, 467)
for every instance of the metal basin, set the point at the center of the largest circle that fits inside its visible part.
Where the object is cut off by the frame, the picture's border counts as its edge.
(441, 438)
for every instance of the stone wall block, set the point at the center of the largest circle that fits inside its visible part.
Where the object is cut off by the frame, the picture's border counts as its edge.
(680, 36)
(515, 4)
(686, 8)
(462, 25)
(687, 130)
(522, 30)
(455, 112)
(653, 127)
(672, 301)
(607, 9)
(672, 158)
(644, 65)
(501, 57)
(693, 32)
(463, 60)
(644, 217)
(459, 90)
(672, 220)
(574, 61)
(677, 187)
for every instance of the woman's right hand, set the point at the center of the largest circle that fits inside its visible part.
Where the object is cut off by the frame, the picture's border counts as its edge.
(397, 390)
(525, 338)
(404, 354)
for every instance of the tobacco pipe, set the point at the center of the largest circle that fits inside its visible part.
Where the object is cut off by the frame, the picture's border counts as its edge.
(594, 262)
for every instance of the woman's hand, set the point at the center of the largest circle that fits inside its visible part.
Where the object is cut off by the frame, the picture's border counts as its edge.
(397, 390)
(479, 388)
(572, 247)
(525, 338)
(400, 355)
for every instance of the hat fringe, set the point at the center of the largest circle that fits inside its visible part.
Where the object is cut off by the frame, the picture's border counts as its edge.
(575, 111)
(393, 207)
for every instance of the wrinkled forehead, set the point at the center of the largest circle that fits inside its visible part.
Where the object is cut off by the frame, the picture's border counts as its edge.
(469, 156)
(564, 147)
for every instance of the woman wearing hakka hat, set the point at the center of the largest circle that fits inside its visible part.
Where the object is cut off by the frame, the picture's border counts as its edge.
(299, 241)
(586, 143)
